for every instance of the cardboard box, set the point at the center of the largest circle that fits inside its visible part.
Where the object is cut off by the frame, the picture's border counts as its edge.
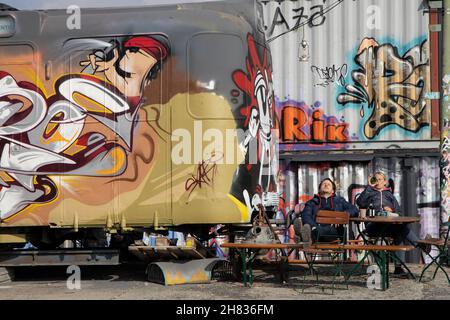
(161, 241)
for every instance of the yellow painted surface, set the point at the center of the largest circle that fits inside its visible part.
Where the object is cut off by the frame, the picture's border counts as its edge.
(12, 238)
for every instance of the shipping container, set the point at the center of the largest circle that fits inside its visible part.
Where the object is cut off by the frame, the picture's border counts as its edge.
(357, 90)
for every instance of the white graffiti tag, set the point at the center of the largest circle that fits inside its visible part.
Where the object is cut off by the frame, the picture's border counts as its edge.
(37, 139)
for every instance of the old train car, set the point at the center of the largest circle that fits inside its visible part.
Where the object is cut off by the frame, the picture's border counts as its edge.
(124, 119)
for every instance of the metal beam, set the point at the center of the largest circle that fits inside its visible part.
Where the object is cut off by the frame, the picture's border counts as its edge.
(22, 258)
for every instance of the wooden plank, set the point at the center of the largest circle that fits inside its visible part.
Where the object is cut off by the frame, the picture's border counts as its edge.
(262, 245)
(168, 252)
(295, 261)
(362, 247)
(391, 220)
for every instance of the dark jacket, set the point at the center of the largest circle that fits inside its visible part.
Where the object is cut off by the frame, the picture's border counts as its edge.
(379, 199)
(333, 203)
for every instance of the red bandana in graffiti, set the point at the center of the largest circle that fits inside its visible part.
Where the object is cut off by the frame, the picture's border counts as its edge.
(392, 86)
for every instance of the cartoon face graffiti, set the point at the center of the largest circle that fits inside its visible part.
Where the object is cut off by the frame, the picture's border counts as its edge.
(264, 96)
(259, 123)
(44, 136)
(392, 86)
(131, 65)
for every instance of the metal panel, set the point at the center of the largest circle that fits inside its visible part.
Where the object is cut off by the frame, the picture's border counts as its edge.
(351, 178)
(183, 272)
(59, 257)
(384, 101)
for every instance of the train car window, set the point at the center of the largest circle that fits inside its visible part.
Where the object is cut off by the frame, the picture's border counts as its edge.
(212, 59)
(7, 26)
(20, 88)
(144, 65)
(83, 85)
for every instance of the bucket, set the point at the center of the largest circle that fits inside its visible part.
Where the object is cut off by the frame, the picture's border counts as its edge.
(218, 242)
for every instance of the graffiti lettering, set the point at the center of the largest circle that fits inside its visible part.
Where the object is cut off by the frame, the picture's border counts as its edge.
(392, 87)
(42, 136)
(330, 75)
(51, 136)
(299, 126)
(206, 170)
(445, 144)
(298, 16)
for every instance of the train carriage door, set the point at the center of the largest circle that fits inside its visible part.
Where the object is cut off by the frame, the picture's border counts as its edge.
(87, 104)
(116, 83)
(142, 76)
(205, 151)
(27, 188)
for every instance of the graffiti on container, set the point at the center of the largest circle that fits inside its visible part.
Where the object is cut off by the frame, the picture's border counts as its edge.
(354, 190)
(311, 127)
(313, 16)
(391, 87)
(303, 198)
(446, 87)
(428, 181)
(204, 175)
(445, 173)
(259, 122)
(446, 123)
(41, 136)
(445, 145)
(331, 74)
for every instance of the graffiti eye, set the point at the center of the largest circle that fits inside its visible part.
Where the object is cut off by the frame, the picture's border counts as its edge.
(388, 73)
(420, 83)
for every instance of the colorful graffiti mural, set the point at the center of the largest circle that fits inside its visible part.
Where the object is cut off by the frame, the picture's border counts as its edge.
(390, 86)
(445, 151)
(44, 135)
(306, 127)
(377, 78)
(445, 172)
(259, 123)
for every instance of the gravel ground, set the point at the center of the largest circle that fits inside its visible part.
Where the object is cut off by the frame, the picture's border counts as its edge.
(129, 282)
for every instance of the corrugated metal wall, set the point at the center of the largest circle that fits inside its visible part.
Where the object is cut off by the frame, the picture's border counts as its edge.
(302, 180)
(380, 105)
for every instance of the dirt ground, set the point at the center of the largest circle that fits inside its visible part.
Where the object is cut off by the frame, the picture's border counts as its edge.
(129, 282)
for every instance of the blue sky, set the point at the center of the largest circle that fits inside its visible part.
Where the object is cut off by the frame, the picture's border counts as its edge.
(63, 4)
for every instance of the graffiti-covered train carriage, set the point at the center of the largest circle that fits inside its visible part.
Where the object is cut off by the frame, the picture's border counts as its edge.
(133, 119)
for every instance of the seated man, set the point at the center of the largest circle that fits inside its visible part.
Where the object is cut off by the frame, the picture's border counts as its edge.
(325, 200)
(380, 197)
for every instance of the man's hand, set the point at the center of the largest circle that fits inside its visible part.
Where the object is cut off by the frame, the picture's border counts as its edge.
(388, 209)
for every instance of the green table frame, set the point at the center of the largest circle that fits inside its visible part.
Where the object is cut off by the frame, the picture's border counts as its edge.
(248, 251)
